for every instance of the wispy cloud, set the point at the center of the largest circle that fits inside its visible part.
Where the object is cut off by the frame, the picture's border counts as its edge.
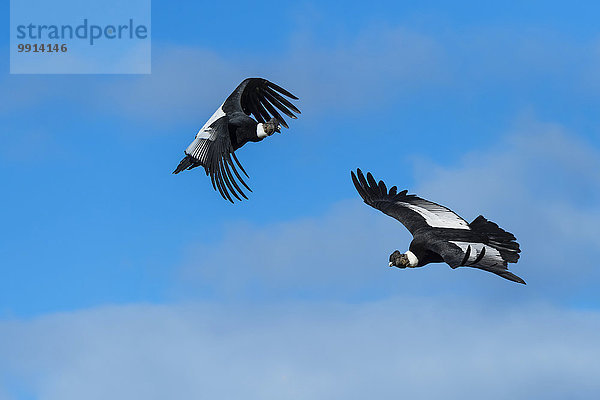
(184, 82)
(390, 349)
(330, 254)
(358, 74)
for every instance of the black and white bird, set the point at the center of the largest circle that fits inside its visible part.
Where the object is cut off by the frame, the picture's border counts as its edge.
(232, 126)
(439, 234)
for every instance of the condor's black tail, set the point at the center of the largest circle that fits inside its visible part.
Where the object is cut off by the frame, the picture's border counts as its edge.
(504, 242)
(188, 162)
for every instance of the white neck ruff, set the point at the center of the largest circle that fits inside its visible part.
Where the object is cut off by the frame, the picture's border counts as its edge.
(412, 259)
(260, 130)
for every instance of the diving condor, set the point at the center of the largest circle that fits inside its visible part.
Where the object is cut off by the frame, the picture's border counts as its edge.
(232, 126)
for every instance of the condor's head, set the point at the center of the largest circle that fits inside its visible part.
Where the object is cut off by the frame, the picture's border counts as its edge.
(403, 260)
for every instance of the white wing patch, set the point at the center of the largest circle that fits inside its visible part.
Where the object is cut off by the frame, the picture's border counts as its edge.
(204, 132)
(491, 257)
(437, 216)
(195, 149)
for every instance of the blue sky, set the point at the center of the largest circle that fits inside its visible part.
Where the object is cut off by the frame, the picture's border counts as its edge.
(106, 256)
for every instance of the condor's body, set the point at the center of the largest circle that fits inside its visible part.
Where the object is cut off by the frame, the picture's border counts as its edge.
(231, 127)
(439, 234)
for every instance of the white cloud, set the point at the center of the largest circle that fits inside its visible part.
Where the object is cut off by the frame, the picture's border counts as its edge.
(402, 347)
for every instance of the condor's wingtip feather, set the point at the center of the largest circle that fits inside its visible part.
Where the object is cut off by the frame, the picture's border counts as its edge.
(227, 179)
(382, 189)
(217, 182)
(222, 186)
(281, 90)
(281, 102)
(354, 180)
(369, 188)
(242, 168)
(372, 182)
(358, 186)
(232, 179)
(399, 196)
(362, 187)
(284, 102)
(363, 182)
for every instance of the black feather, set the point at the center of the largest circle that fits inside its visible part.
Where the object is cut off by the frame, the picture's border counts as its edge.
(280, 90)
(480, 256)
(277, 103)
(283, 100)
(466, 257)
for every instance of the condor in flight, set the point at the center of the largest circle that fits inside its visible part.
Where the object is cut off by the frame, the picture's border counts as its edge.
(439, 235)
(232, 126)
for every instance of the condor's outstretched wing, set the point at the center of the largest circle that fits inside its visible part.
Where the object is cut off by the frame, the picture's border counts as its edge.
(262, 99)
(213, 150)
(415, 213)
